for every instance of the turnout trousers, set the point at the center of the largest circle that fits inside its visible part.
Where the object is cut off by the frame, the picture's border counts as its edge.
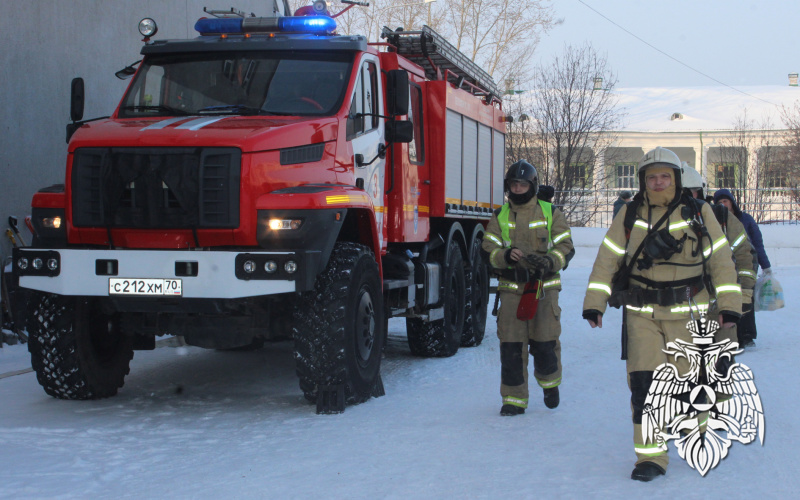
(539, 336)
(647, 338)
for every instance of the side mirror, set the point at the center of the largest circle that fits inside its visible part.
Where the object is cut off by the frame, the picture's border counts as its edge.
(397, 92)
(399, 131)
(128, 71)
(76, 100)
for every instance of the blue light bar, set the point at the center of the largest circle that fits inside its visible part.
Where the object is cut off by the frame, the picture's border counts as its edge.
(301, 24)
(207, 26)
(307, 24)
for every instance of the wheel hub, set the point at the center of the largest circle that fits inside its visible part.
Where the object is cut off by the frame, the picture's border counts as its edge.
(365, 326)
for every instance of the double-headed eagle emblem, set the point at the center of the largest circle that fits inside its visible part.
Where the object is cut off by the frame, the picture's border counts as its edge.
(707, 408)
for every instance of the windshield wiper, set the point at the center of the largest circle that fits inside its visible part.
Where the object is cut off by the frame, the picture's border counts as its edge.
(165, 109)
(232, 109)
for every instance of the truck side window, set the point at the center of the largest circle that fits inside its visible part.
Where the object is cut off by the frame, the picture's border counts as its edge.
(365, 100)
(416, 148)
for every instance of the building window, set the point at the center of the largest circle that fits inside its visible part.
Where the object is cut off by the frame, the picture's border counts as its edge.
(725, 175)
(625, 174)
(578, 176)
(775, 176)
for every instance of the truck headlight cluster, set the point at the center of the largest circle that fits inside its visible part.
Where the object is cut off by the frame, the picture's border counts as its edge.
(281, 224)
(267, 266)
(37, 262)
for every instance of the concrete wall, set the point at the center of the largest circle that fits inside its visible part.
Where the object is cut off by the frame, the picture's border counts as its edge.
(47, 43)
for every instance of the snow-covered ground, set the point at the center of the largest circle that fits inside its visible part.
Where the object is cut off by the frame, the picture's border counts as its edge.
(193, 423)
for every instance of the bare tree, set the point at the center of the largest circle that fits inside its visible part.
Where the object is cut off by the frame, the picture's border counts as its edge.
(571, 126)
(750, 159)
(791, 159)
(499, 35)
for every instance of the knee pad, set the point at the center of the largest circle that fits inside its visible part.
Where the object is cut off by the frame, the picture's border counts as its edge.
(640, 384)
(544, 356)
(511, 363)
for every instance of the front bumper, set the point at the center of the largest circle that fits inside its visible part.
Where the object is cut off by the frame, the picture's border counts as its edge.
(203, 274)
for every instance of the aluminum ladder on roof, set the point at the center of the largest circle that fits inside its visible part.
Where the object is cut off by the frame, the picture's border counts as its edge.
(437, 56)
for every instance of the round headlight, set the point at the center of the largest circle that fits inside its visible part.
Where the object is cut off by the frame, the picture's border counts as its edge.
(290, 266)
(249, 266)
(147, 27)
(271, 266)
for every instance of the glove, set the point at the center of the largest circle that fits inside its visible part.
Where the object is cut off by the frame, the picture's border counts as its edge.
(543, 264)
(592, 315)
(730, 317)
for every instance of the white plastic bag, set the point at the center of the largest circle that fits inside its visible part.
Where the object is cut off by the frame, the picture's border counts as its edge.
(768, 295)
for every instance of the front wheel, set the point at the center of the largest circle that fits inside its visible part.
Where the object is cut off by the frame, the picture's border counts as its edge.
(77, 350)
(339, 327)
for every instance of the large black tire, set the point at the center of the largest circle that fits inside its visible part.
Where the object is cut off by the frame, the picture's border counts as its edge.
(77, 351)
(477, 294)
(441, 338)
(339, 326)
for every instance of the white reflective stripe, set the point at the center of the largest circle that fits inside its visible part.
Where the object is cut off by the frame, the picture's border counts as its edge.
(551, 283)
(546, 384)
(644, 309)
(613, 246)
(720, 243)
(641, 224)
(494, 239)
(729, 288)
(685, 309)
(600, 286)
(537, 223)
(522, 403)
(678, 225)
(738, 241)
(651, 450)
(494, 252)
(561, 236)
(560, 257)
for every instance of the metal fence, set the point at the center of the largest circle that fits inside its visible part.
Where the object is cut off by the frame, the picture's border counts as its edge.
(586, 208)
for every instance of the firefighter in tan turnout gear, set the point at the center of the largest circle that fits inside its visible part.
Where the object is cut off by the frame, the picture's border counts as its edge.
(528, 242)
(744, 256)
(673, 260)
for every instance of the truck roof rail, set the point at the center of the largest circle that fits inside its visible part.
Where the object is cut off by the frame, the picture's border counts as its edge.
(442, 61)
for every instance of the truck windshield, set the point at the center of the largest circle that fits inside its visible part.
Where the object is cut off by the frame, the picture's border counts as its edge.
(241, 83)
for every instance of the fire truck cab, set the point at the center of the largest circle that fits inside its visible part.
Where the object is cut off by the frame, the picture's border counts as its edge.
(269, 179)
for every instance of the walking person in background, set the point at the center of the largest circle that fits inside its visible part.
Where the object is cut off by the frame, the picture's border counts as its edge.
(528, 243)
(747, 326)
(624, 198)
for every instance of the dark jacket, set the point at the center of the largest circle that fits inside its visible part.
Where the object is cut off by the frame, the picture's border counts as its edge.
(618, 205)
(750, 225)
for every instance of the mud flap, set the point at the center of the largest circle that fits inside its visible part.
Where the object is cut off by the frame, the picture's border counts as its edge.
(330, 399)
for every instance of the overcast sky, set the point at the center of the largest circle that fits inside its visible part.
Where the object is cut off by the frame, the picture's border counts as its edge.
(737, 42)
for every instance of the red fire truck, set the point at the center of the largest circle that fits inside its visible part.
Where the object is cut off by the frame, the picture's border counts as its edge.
(269, 179)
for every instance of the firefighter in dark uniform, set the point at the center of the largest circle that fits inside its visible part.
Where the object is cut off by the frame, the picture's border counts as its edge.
(528, 242)
(675, 259)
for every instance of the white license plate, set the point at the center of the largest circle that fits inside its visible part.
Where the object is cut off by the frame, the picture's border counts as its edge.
(132, 286)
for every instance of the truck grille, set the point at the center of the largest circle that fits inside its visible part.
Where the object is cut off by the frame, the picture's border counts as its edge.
(156, 188)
